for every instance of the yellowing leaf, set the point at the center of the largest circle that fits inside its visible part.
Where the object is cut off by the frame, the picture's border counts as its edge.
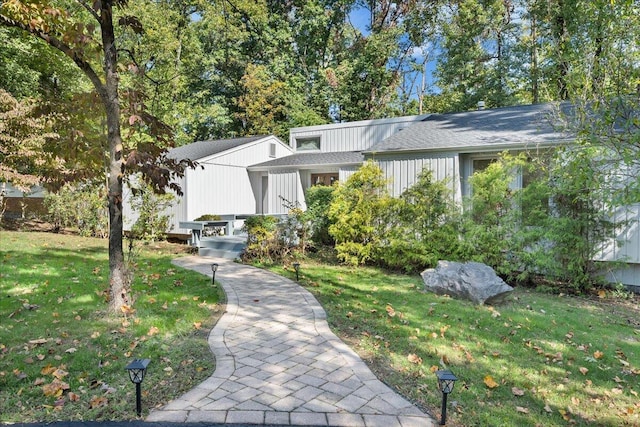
(153, 331)
(602, 293)
(98, 401)
(47, 370)
(55, 388)
(197, 325)
(414, 358)
(390, 311)
(598, 354)
(60, 373)
(490, 382)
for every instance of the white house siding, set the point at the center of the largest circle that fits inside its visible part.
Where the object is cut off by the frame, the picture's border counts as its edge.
(345, 172)
(284, 185)
(403, 170)
(353, 136)
(625, 246)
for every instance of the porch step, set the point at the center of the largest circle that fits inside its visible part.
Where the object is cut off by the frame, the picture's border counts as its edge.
(230, 247)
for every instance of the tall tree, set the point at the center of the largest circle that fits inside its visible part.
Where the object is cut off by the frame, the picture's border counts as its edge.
(85, 34)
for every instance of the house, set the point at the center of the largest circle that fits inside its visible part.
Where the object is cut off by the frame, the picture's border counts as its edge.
(321, 155)
(453, 146)
(220, 185)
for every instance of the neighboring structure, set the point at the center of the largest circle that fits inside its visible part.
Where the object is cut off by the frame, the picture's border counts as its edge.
(220, 185)
(15, 203)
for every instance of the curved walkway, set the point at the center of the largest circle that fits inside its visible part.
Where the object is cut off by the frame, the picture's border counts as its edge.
(278, 363)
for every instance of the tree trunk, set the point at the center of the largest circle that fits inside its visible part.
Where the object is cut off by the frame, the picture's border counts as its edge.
(119, 283)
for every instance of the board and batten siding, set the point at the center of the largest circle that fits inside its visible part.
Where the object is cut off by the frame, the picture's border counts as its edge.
(403, 170)
(353, 136)
(284, 184)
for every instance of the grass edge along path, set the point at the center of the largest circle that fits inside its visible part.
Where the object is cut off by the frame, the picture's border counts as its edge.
(63, 358)
(538, 360)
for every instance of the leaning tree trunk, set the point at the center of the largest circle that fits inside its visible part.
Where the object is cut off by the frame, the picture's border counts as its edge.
(119, 283)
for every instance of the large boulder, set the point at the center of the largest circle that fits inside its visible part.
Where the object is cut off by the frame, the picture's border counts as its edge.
(473, 281)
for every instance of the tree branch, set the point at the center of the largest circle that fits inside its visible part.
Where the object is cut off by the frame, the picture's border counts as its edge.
(89, 9)
(62, 47)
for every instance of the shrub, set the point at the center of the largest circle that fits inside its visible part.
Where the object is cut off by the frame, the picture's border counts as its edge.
(262, 238)
(357, 215)
(152, 222)
(319, 199)
(423, 226)
(81, 206)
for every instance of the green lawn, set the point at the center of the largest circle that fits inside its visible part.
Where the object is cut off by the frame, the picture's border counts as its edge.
(538, 360)
(63, 358)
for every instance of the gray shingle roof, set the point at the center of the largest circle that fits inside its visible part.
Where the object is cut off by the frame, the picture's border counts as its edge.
(521, 125)
(202, 149)
(314, 159)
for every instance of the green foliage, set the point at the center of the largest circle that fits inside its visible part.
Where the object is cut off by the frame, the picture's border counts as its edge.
(81, 206)
(318, 200)
(490, 222)
(152, 222)
(423, 226)
(556, 226)
(357, 215)
(208, 217)
(262, 237)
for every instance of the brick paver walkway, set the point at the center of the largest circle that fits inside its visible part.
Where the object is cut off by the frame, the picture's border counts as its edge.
(278, 363)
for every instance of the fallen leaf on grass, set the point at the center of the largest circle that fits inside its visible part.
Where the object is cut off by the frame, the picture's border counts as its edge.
(390, 311)
(55, 388)
(197, 325)
(490, 382)
(598, 354)
(47, 370)
(60, 373)
(522, 410)
(548, 409)
(153, 331)
(517, 391)
(414, 358)
(583, 370)
(98, 401)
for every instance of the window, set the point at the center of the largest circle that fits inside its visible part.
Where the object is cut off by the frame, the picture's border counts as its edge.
(272, 150)
(323, 178)
(308, 144)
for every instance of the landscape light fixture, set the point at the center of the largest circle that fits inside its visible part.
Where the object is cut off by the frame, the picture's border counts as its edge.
(446, 381)
(296, 266)
(214, 268)
(137, 368)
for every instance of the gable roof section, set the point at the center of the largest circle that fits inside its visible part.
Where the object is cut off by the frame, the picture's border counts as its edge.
(201, 149)
(308, 160)
(498, 128)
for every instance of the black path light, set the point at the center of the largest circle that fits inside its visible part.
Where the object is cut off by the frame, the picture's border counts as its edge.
(137, 369)
(446, 381)
(214, 268)
(296, 266)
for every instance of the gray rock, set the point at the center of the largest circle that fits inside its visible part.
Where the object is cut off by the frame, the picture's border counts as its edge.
(472, 281)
